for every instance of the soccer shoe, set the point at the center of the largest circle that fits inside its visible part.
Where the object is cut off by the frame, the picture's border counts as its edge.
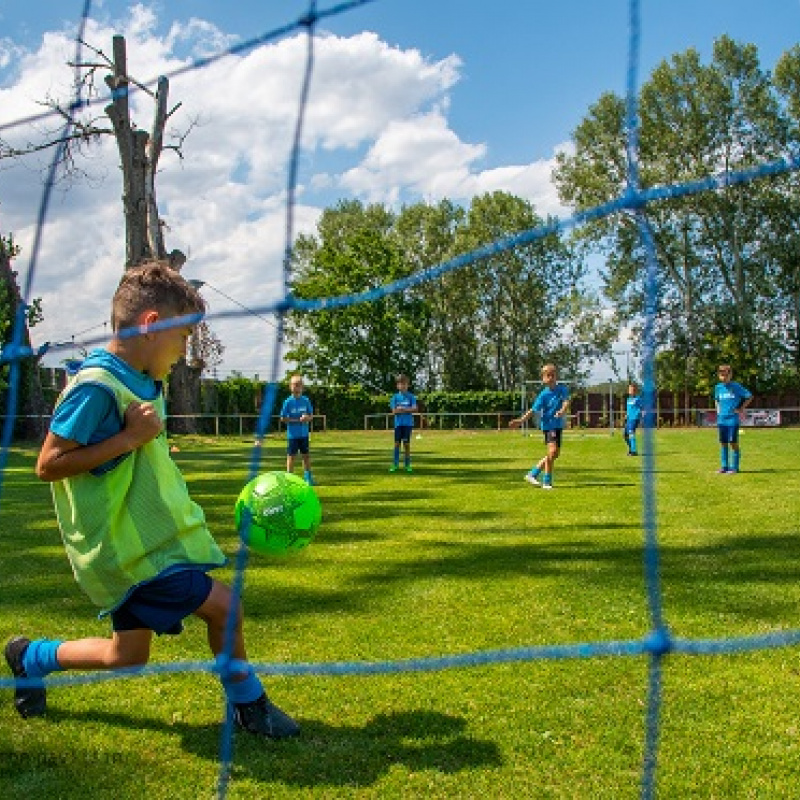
(264, 718)
(29, 702)
(408, 468)
(723, 471)
(531, 479)
(393, 469)
(732, 471)
(547, 486)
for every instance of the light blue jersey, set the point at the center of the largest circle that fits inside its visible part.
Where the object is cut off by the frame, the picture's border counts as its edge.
(728, 397)
(547, 403)
(294, 408)
(633, 408)
(89, 413)
(403, 400)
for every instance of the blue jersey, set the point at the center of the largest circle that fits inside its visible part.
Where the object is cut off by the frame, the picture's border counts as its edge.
(728, 397)
(89, 413)
(633, 408)
(547, 402)
(294, 408)
(403, 400)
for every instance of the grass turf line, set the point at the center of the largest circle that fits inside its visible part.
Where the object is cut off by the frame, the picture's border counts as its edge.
(461, 555)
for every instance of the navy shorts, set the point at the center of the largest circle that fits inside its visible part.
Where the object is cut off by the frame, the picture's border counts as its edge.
(553, 436)
(728, 434)
(162, 604)
(631, 425)
(402, 433)
(295, 446)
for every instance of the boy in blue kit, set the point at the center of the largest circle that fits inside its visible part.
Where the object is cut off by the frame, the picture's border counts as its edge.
(633, 416)
(138, 545)
(404, 406)
(731, 400)
(551, 404)
(296, 413)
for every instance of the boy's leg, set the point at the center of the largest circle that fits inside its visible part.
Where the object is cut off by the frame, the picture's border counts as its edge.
(736, 451)
(40, 657)
(407, 453)
(307, 469)
(536, 471)
(549, 459)
(123, 649)
(724, 439)
(252, 709)
(396, 455)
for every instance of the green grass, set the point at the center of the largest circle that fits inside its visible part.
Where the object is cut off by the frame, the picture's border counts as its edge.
(460, 556)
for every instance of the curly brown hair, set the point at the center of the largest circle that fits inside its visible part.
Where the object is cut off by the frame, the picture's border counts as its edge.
(155, 286)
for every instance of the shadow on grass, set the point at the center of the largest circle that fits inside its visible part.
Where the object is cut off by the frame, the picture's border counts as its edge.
(323, 755)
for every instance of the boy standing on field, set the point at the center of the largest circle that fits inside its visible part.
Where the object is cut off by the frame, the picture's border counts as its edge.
(404, 406)
(138, 545)
(633, 416)
(552, 404)
(731, 400)
(296, 413)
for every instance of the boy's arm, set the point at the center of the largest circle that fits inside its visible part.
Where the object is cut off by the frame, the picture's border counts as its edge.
(514, 423)
(743, 405)
(62, 458)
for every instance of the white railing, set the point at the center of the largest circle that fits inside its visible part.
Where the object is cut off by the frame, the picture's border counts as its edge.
(450, 420)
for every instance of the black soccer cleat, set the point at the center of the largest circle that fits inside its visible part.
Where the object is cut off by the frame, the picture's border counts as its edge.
(29, 701)
(264, 718)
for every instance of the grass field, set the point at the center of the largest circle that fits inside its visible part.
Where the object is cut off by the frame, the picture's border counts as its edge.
(460, 556)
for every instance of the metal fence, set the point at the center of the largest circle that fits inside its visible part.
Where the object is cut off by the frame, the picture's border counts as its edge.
(202, 424)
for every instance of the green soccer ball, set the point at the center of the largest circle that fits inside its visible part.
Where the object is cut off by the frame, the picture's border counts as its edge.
(277, 513)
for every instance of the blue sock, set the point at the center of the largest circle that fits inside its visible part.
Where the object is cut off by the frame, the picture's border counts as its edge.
(40, 659)
(407, 461)
(723, 457)
(243, 691)
(548, 479)
(535, 471)
(397, 456)
(736, 454)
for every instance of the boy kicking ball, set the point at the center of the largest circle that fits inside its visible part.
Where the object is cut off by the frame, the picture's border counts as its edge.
(137, 543)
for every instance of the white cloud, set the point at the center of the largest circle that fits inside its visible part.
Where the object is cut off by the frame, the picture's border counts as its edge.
(376, 127)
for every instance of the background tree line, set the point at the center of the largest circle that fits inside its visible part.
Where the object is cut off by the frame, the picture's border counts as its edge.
(728, 259)
(482, 327)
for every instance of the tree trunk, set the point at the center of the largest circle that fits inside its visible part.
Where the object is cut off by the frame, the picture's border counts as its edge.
(184, 397)
(31, 406)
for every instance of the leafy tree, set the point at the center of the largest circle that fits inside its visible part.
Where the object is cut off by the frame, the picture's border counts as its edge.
(717, 279)
(530, 304)
(485, 326)
(356, 249)
(427, 235)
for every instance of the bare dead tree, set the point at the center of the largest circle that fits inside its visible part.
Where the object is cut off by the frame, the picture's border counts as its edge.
(139, 153)
(139, 150)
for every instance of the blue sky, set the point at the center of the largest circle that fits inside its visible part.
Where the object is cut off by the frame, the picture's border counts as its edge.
(412, 99)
